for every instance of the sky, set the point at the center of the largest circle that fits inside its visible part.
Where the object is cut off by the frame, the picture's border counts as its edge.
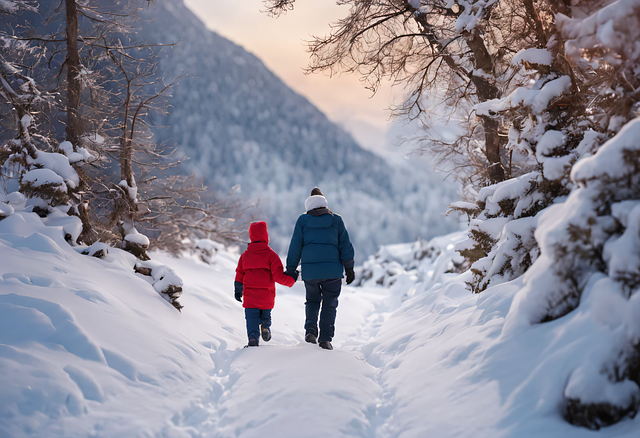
(279, 43)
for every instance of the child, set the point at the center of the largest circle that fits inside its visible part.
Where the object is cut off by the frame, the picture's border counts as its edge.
(258, 269)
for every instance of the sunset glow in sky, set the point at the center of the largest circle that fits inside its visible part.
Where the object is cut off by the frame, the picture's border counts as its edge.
(279, 43)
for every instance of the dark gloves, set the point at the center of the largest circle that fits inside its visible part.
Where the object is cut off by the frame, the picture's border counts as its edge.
(238, 290)
(293, 273)
(350, 275)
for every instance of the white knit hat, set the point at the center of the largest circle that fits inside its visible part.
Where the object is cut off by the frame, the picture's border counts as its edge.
(315, 202)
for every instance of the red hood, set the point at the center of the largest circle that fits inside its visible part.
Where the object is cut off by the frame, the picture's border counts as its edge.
(258, 232)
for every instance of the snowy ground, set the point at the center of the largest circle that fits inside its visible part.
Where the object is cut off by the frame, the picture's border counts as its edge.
(89, 348)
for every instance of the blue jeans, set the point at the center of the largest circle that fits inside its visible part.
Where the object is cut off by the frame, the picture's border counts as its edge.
(327, 293)
(255, 318)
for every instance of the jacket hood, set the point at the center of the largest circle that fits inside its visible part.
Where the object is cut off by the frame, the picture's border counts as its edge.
(258, 232)
(319, 211)
(315, 201)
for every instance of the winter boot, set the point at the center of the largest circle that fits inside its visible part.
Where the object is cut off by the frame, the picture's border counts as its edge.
(310, 337)
(266, 333)
(326, 345)
(253, 342)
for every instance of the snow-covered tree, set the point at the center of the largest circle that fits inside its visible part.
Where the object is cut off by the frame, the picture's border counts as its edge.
(29, 161)
(572, 218)
(109, 89)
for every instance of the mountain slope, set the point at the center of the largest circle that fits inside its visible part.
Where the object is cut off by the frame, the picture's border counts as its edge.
(239, 124)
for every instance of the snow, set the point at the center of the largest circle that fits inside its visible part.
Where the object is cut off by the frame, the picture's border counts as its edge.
(616, 122)
(537, 100)
(512, 188)
(40, 177)
(622, 253)
(304, 406)
(8, 6)
(609, 303)
(531, 303)
(589, 143)
(614, 26)
(514, 236)
(548, 142)
(95, 249)
(59, 164)
(5, 209)
(89, 348)
(131, 191)
(533, 56)
(26, 121)
(632, 322)
(555, 167)
(463, 205)
(472, 10)
(609, 161)
(71, 225)
(81, 154)
(134, 236)
(584, 387)
(449, 369)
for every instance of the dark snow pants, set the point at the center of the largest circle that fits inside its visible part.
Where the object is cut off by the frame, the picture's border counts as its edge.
(255, 318)
(327, 293)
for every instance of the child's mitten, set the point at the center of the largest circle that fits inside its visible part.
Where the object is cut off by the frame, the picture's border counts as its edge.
(238, 290)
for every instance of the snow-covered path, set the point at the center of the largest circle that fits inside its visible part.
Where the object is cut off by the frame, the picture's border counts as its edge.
(89, 348)
(286, 387)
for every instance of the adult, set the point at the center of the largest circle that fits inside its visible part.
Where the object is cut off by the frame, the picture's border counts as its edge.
(321, 241)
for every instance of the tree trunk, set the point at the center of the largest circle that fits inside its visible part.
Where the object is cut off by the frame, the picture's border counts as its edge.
(487, 91)
(492, 145)
(484, 88)
(492, 149)
(126, 167)
(126, 153)
(74, 125)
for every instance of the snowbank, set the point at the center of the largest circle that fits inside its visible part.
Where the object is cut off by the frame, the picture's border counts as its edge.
(87, 346)
(449, 368)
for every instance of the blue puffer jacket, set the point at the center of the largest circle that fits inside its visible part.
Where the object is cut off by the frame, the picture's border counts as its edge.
(322, 242)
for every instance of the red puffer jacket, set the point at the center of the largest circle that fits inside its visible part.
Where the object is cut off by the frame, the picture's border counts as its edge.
(258, 269)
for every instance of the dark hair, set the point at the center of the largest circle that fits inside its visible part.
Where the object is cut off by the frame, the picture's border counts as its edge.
(316, 192)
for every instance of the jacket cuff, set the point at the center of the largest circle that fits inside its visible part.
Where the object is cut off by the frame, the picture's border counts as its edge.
(348, 264)
(238, 287)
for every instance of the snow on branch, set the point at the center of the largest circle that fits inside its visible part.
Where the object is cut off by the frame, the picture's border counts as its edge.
(537, 100)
